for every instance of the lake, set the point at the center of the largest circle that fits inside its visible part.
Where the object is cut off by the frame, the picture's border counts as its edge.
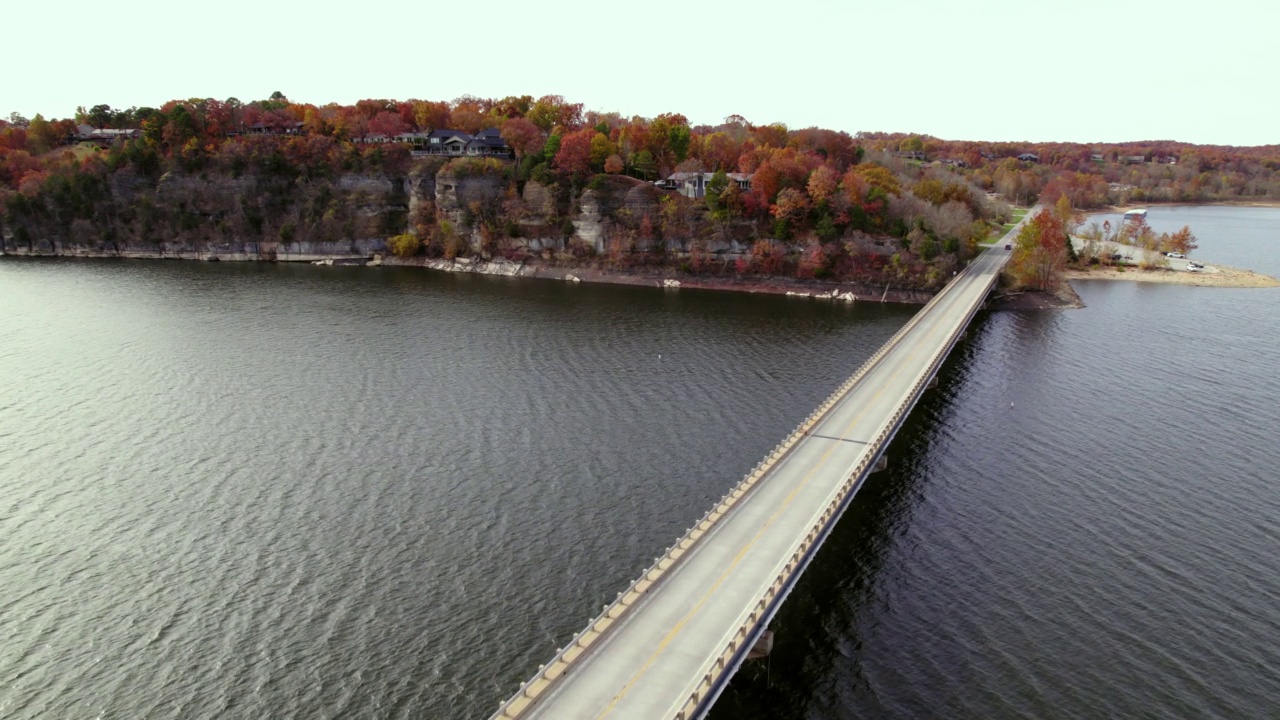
(239, 490)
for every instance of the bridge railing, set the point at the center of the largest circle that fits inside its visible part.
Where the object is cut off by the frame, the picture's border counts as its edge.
(574, 652)
(725, 662)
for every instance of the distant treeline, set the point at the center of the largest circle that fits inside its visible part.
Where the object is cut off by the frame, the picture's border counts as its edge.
(811, 202)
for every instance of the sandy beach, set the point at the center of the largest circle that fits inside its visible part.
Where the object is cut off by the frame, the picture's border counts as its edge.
(1213, 276)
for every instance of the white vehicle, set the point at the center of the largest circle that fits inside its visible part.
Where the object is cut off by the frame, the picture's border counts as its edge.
(1192, 267)
(1176, 255)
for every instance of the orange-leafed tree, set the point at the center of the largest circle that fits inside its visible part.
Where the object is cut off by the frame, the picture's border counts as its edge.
(1183, 241)
(1040, 252)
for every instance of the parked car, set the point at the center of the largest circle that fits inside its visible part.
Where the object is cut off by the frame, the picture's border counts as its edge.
(1194, 264)
(1192, 267)
(1176, 255)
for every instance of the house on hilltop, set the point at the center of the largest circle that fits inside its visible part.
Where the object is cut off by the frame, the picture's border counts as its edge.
(105, 136)
(288, 128)
(486, 143)
(694, 184)
(1029, 157)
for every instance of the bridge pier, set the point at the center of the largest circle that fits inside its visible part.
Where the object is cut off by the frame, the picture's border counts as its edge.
(881, 464)
(763, 646)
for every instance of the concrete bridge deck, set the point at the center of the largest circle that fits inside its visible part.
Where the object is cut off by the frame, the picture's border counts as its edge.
(673, 639)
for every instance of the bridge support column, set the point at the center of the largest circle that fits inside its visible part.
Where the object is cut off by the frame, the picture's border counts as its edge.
(763, 646)
(881, 464)
(933, 383)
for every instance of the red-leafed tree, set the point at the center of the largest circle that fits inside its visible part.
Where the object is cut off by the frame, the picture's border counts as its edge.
(523, 136)
(388, 123)
(574, 156)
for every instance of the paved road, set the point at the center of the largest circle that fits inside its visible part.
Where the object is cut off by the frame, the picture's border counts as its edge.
(1132, 255)
(650, 661)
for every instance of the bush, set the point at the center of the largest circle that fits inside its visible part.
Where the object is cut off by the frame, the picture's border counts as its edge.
(404, 246)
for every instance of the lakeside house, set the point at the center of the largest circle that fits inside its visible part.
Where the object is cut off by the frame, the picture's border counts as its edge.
(1135, 215)
(694, 184)
(450, 143)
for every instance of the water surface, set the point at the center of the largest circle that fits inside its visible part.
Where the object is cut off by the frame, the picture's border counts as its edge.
(278, 491)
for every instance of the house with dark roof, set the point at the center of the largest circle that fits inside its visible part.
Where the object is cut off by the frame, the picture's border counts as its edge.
(1029, 157)
(288, 128)
(486, 143)
(489, 143)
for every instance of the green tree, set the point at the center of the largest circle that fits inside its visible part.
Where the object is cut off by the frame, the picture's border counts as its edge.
(716, 186)
(41, 135)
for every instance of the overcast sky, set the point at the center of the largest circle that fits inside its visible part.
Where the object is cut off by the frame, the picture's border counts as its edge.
(986, 70)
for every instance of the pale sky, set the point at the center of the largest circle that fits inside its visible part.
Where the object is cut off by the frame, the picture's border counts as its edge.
(984, 70)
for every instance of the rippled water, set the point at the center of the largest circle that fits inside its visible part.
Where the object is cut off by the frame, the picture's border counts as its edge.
(278, 491)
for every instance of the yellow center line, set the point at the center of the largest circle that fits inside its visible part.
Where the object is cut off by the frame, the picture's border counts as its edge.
(679, 626)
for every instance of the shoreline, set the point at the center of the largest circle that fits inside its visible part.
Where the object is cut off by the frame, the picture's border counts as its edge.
(1214, 276)
(1121, 209)
(662, 278)
(670, 279)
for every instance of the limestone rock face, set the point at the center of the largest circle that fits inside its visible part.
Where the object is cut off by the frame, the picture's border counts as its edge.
(641, 200)
(539, 200)
(590, 225)
(455, 193)
(205, 194)
(419, 186)
(376, 185)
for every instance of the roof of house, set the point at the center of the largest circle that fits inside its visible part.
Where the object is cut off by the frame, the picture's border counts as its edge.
(112, 132)
(488, 141)
(446, 134)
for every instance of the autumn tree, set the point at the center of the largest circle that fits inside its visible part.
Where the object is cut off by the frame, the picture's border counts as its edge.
(600, 149)
(1183, 241)
(430, 116)
(574, 155)
(1039, 253)
(387, 123)
(523, 136)
(822, 183)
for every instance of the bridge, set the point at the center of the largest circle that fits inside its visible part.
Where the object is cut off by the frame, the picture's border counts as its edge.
(670, 642)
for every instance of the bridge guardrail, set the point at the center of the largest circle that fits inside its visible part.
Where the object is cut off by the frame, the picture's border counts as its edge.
(585, 639)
